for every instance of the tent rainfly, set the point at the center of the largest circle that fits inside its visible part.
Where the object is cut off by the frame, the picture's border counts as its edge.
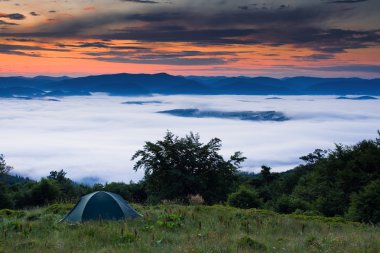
(101, 205)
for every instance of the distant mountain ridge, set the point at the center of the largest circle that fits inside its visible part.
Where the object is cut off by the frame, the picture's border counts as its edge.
(162, 83)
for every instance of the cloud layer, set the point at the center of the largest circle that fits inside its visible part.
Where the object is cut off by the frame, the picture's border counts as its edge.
(96, 136)
(301, 34)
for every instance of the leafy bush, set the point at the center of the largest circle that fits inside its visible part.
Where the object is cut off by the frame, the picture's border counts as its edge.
(365, 205)
(196, 200)
(5, 198)
(44, 192)
(59, 208)
(11, 213)
(128, 237)
(170, 221)
(313, 243)
(313, 217)
(334, 176)
(245, 198)
(248, 243)
(133, 192)
(288, 204)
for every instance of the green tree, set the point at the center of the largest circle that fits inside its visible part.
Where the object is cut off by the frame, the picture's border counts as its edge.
(4, 168)
(365, 205)
(67, 189)
(178, 167)
(288, 204)
(46, 191)
(266, 174)
(133, 192)
(5, 199)
(58, 176)
(245, 198)
(335, 175)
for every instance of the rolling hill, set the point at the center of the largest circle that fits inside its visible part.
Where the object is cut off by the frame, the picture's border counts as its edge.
(162, 83)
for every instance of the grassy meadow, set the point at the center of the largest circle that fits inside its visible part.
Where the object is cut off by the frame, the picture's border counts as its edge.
(178, 228)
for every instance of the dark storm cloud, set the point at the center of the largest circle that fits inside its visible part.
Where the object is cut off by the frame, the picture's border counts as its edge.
(2, 22)
(283, 6)
(23, 40)
(141, 1)
(244, 8)
(13, 16)
(160, 54)
(208, 36)
(84, 45)
(326, 41)
(100, 45)
(93, 44)
(20, 50)
(166, 60)
(233, 18)
(150, 56)
(344, 1)
(303, 26)
(186, 19)
(14, 50)
(315, 57)
(154, 17)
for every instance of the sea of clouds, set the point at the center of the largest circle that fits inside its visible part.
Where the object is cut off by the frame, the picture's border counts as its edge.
(93, 138)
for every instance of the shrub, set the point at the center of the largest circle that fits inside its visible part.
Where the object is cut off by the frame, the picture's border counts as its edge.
(59, 208)
(365, 205)
(170, 221)
(313, 243)
(44, 192)
(245, 198)
(128, 237)
(288, 204)
(5, 199)
(247, 242)
(11, 213)
(196, 200)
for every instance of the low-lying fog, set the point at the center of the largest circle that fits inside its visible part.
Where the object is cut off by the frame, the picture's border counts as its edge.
(95, 137)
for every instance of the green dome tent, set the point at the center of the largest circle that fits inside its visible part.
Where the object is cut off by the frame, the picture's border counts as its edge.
(101, 205)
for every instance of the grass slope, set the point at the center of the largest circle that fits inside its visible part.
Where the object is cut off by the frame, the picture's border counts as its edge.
(175, 228)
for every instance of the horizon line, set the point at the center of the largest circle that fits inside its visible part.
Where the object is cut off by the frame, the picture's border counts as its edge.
(207, 76)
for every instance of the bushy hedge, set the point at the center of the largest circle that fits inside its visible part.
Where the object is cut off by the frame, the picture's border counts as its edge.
(245, 198)
(365, 205)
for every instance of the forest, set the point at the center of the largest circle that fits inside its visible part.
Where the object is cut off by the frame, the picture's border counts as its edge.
(343, 182)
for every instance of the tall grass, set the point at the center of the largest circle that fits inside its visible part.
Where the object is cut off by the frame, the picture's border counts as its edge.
(176, 228)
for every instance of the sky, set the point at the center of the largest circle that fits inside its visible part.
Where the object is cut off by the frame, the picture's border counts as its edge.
(278, 38)
(93, 138)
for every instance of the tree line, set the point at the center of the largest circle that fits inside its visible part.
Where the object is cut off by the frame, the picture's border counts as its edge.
(342, 182)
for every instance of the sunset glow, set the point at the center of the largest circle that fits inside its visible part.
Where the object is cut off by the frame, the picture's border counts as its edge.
(253, 38)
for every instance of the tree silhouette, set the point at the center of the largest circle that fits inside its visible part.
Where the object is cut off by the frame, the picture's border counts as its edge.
(178, 167)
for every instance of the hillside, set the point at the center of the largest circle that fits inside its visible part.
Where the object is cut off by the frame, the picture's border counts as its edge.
(344, 182)
(162, 83)
(175, 228)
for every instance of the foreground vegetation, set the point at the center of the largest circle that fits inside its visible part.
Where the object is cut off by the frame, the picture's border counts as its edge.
(316, 207)
(343, 182)
(179, 228)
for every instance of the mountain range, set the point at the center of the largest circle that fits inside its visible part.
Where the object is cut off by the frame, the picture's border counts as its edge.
(162, 83)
